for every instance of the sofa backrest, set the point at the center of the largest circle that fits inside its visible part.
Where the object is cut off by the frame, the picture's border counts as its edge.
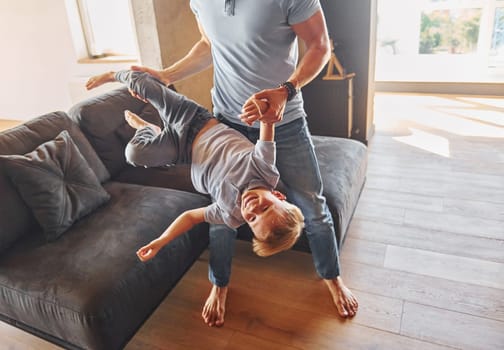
(15, 217)
(101, 119)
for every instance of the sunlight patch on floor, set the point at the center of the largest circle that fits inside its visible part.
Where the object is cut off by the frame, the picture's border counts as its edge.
(461, 116)
(495, 118)
(462, 125)
(495, 102)
(426, 141)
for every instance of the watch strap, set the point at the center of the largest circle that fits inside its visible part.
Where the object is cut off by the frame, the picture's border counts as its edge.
(291, 90)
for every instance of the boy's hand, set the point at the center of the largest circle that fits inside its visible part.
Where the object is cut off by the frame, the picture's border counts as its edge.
(253, 110)
(275, 100)
(148, 252)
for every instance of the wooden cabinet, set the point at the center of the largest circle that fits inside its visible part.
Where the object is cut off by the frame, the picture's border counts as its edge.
(329, 106)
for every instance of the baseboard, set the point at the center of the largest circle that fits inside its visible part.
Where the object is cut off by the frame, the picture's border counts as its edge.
(453, 88)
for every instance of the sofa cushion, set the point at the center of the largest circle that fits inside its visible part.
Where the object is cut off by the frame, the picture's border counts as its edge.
(57, 184)
(88, 287)
(16, 218)
(102, 120)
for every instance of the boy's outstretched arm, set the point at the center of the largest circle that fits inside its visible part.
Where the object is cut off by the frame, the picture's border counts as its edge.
(183, 223)
(266, 131)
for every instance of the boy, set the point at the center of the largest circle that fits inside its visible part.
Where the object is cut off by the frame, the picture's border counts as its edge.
(237, 175)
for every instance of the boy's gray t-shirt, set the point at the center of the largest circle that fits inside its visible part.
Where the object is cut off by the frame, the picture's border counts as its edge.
(224, 164)
(253, 49)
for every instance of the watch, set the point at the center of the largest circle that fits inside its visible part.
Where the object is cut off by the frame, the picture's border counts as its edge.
(291, 90)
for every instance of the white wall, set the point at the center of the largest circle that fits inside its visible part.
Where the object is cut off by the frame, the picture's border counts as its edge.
(39, 69)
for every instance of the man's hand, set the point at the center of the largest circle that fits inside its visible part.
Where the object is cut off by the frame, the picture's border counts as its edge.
(253, 108)
(275, 99)
(158, 74)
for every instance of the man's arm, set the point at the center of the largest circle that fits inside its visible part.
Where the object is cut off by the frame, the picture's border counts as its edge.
(182, 224)
(313, 32)
(196, 60)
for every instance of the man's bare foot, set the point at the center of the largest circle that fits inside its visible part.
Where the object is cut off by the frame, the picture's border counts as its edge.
(138, 123)
(345, 301)
(101, 79)
(215, 307)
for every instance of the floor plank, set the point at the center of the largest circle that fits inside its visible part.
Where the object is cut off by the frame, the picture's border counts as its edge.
(427, 239)
(437, 187)
(406, 200)
(15, 339)
(462, 224)
(363, 251)
(383, 213)
(480, 208)
(449, 267)
(449, 328)
(438, 292)
(7, 124)
(243, 341)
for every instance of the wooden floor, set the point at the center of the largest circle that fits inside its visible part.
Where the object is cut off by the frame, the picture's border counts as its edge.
(424, 253)
(7, 124)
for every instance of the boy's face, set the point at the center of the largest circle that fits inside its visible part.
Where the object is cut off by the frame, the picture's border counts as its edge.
(261, 209)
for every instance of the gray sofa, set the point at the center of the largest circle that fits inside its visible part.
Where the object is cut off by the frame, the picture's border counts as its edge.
(82, 286)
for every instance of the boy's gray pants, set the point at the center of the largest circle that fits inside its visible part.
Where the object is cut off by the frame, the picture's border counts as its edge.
(182, 120)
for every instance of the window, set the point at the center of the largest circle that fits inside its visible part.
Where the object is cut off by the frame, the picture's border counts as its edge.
(108, 28)
(497, 44)
(449, 30)
(440, 41)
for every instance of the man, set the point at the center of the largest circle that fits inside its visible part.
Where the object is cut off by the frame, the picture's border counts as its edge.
(253, 48)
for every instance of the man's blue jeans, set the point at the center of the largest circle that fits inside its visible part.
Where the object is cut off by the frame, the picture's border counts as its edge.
(299, 171)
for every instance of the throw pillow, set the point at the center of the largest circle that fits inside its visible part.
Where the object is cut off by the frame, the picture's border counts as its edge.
(57, 184)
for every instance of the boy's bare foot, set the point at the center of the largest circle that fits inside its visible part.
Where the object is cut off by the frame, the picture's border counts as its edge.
(101, 79)
(345, 301)
(138, 123)
(215, 307)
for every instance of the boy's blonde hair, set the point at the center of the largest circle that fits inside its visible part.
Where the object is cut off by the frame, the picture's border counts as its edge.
(283, 235)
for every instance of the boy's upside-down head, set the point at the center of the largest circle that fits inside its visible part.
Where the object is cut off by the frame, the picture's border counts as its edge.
(275, 223)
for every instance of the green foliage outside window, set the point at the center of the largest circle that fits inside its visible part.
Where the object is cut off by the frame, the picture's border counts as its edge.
(497, 46)
(449, 31)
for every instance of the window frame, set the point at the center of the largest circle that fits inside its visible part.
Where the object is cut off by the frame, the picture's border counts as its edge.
(89, 40)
